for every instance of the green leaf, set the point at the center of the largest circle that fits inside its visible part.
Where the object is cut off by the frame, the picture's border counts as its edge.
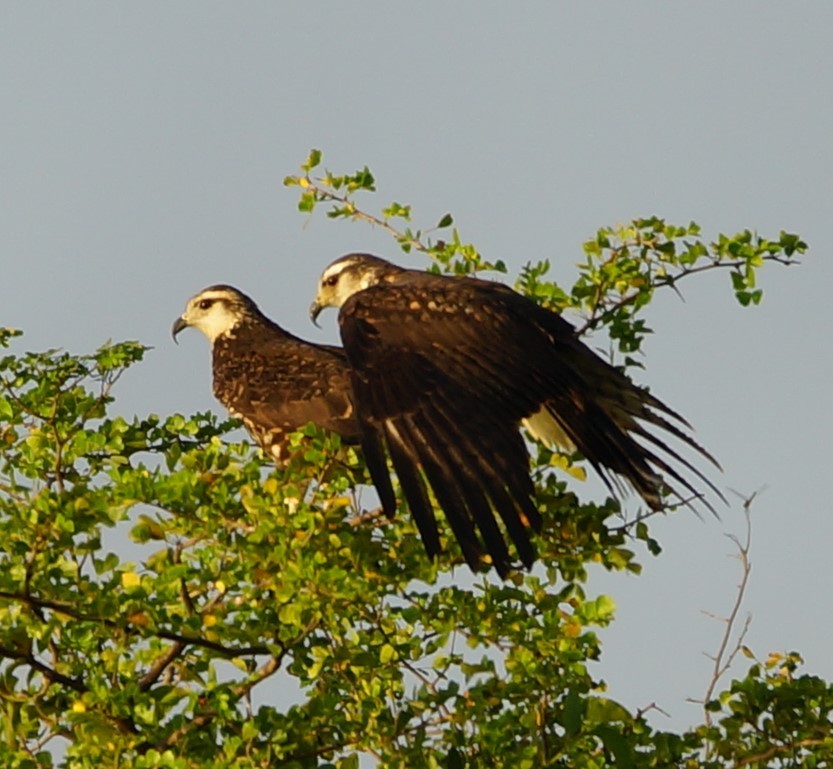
(307, 202)
(601, 710)
(573, 717)
(313, 160)
(618, 746)
(386, 654)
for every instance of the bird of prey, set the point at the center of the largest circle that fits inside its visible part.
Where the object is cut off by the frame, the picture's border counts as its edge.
(445, 370)
(273, 381)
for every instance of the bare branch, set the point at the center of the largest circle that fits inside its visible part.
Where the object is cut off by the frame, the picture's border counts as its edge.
(648, 708)
(161, 664)
(725, 656)
(365, 517)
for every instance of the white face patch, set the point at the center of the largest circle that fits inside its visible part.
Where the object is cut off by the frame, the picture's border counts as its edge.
(335, 269)
(341, 280)
(212, 312)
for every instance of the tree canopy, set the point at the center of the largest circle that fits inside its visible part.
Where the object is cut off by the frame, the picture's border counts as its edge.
(168, 598)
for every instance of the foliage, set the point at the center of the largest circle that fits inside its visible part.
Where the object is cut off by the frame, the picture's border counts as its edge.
(169, 600)
(623, 265)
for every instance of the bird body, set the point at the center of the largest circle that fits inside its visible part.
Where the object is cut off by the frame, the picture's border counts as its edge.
(272, 380)
(446, 369)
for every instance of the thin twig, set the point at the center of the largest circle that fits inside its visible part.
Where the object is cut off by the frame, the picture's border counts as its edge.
(648, 708)
(366, 516)
(724, 658)
(324, 195)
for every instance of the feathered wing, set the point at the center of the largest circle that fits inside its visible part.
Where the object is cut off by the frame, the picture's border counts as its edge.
(419, 406)
(609, 419)
(444, 372)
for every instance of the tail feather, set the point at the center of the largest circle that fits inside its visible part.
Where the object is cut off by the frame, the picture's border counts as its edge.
(606, 430)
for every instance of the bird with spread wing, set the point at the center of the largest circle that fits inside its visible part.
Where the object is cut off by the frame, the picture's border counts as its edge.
(274, 381)
(446, 369)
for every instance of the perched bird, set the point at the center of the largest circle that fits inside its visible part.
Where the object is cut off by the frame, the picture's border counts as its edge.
(273, 381)
(446, 369)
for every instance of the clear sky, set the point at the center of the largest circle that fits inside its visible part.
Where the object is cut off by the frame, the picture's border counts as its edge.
(142, 148)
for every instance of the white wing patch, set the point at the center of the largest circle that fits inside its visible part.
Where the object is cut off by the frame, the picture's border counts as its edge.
(544, 427)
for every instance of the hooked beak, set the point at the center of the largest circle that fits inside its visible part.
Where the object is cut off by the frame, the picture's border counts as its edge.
(314, 311)
(179, 324)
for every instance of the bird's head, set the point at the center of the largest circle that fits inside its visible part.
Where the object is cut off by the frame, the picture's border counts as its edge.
(215, 311)
(346, 276)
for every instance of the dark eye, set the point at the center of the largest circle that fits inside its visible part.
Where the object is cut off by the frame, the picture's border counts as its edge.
(205, 303)
(331, 281)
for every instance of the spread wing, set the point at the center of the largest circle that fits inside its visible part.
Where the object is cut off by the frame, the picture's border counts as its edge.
(278, 384)
(445, 370)
(428, 395)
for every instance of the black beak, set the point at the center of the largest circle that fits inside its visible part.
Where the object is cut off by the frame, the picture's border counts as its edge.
(179, 324)
(314, 312)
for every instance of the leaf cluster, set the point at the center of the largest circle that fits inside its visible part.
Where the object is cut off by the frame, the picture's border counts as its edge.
(169, 599)
(245, 574)
(622, 266)
(449, 254)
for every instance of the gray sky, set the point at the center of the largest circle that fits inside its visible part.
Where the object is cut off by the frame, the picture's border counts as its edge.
(142, 148)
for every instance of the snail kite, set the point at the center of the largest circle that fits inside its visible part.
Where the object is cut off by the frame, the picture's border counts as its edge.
(273, 381)
(445, 369)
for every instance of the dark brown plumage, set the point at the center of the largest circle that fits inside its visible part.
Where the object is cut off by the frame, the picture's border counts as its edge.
(275, 382)
(445, 371)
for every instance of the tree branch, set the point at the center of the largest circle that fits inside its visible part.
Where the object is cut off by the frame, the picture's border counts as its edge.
(774, 750)
(326, 196)
(161, 663)
(600, 310)
(53, 676)
(723, 659)
(169, 635)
